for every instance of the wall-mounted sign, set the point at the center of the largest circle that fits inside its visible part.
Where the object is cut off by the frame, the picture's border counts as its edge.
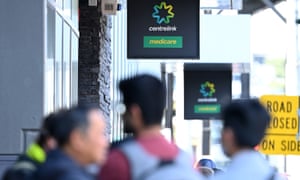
(207, 89)
(163, 29)
(282, 134)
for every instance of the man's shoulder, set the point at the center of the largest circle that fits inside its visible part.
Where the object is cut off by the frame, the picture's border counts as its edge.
(118, 143)
(59, 165)
(57, 158)
(61, 172)
(116, 153)
(116, 162)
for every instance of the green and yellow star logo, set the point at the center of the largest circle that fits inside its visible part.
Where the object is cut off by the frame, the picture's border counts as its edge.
(163, 6)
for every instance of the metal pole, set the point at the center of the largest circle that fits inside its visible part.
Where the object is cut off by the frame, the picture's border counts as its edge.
(269, 4)
(206, 137)
(164, 80)
(245, 81)
(169, 112)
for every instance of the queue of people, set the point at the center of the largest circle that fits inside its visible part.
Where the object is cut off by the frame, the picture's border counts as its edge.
(72, 139)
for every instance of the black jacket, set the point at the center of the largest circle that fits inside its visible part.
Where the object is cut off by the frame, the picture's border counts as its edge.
(59, 166)
(23, 169)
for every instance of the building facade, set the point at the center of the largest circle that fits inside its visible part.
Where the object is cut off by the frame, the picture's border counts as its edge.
(39, 68)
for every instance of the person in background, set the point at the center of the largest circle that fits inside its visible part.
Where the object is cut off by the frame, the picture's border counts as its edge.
(209, 164)
(81, 142)
(244, 125)
(147, 154)
(27, 163)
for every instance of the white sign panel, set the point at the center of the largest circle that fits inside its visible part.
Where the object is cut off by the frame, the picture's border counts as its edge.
(221, 4)
(225, 39)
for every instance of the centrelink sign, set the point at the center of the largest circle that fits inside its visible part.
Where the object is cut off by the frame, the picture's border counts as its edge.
(163, 29)
(207, 89)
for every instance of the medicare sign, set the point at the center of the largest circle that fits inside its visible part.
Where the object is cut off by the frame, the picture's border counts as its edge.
(163, 29)
(283, 132)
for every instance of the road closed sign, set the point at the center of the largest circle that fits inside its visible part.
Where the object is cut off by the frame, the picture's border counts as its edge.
(279, 144)
(284, 112)
(281, 135)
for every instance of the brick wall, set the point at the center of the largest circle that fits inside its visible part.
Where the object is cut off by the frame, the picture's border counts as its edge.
(94, 57)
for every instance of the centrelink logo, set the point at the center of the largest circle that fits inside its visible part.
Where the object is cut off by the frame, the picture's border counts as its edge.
(163, 13)
(163, 7)
(207, 90)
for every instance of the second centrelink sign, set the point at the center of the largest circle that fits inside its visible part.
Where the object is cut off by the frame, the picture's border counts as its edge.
(207, 89)
(163, 29)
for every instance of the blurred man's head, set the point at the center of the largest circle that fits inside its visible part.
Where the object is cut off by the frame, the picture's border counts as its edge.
(144, 97)
(244, 125)
(81, 134)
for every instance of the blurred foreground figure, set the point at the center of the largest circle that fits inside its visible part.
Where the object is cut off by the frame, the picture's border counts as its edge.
(148, 155)
(244, 126)
(81, 142)
(27, 163)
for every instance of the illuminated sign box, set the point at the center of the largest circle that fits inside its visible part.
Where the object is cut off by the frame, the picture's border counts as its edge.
(207, 89)
(162, 29)
(225, 39)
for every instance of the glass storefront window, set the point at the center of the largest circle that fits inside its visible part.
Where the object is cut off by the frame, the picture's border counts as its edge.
(74, 14)
(66, 65)
(61, 65)
(58, 61)
(67, 8)
(49, 63)
(59, 3)
(74, 68)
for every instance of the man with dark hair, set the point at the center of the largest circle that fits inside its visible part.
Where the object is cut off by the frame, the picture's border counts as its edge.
(144, 97)
(35, 155)
(244, 126)
(81, 141)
